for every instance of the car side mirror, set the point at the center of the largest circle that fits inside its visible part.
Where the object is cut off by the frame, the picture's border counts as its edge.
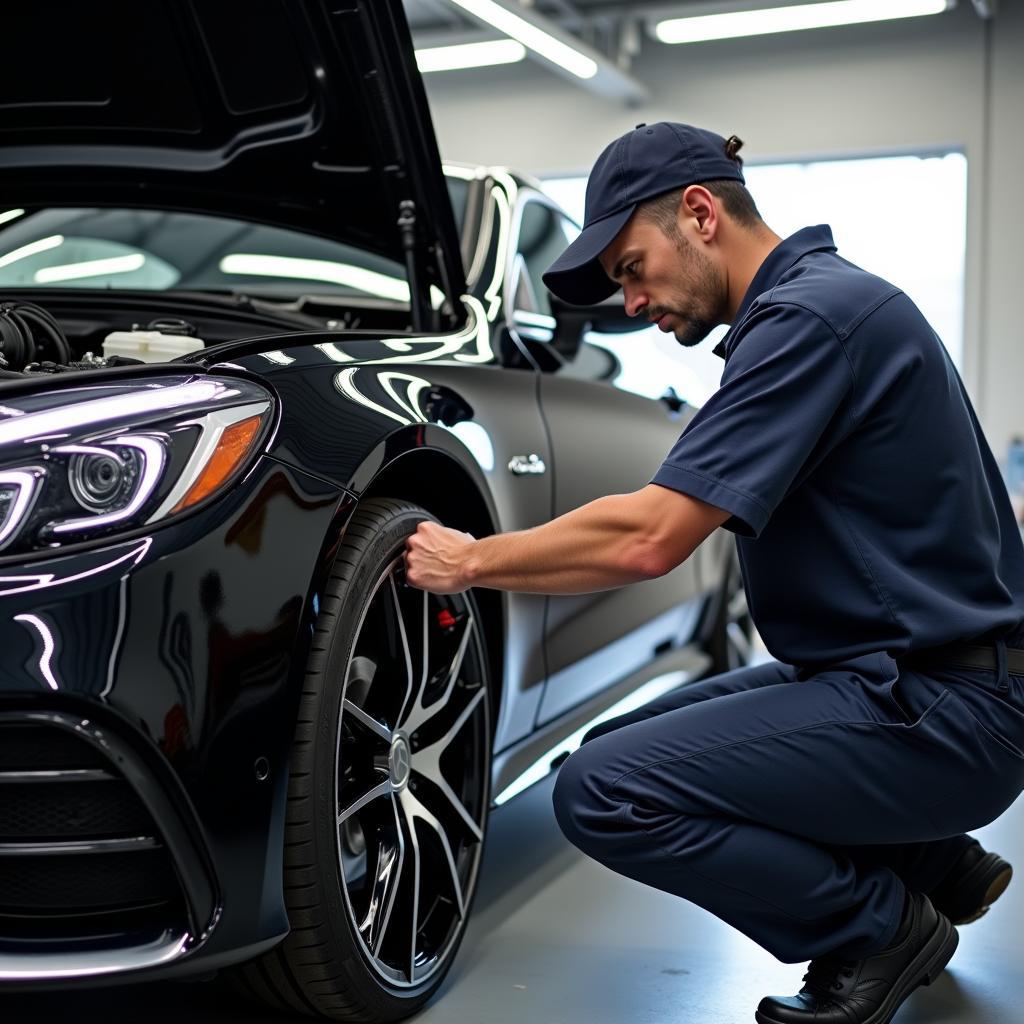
(572, 322)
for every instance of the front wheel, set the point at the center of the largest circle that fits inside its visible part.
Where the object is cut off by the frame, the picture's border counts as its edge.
(389, 787)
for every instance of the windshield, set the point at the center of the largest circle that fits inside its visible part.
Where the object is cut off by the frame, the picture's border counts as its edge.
(159, 250)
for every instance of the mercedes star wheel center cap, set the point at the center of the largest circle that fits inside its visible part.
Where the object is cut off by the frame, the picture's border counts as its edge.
(400, 763)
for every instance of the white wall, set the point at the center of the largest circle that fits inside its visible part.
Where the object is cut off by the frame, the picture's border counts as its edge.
(945, 81)
(1001, 340)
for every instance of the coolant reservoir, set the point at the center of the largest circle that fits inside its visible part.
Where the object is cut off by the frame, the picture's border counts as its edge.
(150, 346)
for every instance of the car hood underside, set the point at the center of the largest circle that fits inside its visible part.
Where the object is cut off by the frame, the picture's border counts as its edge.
(306, 114)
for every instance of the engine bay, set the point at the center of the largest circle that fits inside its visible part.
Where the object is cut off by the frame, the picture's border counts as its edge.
(75, 331)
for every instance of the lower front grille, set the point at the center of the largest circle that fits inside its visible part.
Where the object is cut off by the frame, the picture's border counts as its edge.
(62, 885)
(80, 856)
(56, 805)
(32, 747)
(69, 896)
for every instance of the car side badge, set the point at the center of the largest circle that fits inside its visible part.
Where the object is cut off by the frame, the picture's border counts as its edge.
(526, 465)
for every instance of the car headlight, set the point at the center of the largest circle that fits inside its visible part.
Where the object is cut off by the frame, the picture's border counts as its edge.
(92, 461)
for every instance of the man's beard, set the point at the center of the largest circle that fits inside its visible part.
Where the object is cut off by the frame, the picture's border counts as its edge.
(705, 280)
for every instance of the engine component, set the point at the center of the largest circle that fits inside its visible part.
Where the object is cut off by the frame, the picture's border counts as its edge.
(151, 346)
(28, 332)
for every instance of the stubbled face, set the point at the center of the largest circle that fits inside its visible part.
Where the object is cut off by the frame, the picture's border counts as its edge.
(667, 279)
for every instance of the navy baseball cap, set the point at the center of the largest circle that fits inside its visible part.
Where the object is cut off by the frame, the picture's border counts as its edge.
(642, 164)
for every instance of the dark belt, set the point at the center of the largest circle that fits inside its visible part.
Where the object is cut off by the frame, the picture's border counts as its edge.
(961, 655)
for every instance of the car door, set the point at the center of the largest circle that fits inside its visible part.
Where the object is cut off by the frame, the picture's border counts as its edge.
(604, 440)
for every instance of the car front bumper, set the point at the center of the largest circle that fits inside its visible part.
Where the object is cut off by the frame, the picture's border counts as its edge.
(148, 691)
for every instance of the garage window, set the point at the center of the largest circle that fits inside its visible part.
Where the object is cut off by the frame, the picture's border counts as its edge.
(901, 217)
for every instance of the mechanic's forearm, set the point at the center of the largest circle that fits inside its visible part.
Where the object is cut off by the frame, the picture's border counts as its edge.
(598, 546)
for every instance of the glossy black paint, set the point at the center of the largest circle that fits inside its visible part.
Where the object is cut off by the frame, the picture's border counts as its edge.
(351, 410)
(187, 645)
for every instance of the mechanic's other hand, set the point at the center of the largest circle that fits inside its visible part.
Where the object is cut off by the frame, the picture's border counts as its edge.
(435, 558)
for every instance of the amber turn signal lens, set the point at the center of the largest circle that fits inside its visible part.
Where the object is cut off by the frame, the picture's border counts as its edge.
(232, 447)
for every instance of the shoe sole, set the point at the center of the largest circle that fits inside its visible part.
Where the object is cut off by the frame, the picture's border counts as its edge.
(995, 888)
(929, 963)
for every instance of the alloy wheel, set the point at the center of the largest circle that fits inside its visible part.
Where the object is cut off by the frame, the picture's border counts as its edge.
(410, 779)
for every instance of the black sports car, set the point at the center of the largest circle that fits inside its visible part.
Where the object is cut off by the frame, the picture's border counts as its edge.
(231, 735)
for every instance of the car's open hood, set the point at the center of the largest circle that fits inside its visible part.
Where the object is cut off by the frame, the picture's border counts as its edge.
(307, 114)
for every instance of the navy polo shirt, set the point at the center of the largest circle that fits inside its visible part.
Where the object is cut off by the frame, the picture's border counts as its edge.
(869, 510)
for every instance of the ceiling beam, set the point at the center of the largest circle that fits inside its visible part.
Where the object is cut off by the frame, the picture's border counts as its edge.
(609, 80)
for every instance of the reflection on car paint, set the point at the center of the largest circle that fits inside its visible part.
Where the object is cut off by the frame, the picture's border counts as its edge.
(345, 383)
(541, 768)
(472, 434)
(115, 647)
(477, 440)
(470, 344)
(45, 669)
(332, 351)
(43, 580)
(415, 386)
(503, 201)
(274, 357)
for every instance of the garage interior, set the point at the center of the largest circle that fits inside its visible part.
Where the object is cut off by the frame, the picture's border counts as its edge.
(555, 938)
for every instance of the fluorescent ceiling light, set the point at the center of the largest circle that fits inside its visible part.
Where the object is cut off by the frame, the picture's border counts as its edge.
(91, 268)
(470, 55)
(532, 37)
(10, 215)
(792, 18)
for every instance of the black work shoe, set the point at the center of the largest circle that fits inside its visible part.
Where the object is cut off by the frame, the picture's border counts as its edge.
(869, 991)
(972, 885)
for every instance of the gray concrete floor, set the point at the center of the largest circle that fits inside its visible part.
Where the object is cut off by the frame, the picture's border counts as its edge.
(557, 939)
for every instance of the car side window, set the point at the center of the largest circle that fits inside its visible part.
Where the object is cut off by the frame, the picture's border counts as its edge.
(544, 234)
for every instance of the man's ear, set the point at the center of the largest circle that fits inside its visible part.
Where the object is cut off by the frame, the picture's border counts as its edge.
(698, 204)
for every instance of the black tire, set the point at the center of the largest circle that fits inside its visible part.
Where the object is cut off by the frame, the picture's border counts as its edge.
(732, 634)
(350, 887)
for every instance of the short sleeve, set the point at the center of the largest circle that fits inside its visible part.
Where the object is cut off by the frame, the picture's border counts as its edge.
(785, 393)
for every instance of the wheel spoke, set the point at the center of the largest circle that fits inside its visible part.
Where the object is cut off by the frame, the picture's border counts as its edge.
(417, 680)
(419, 715)
(430, 755)
(387, 875)
(410, 681)
(381, 790)
(371, 723)
(428, 763)
(414, 845)
(415, 809)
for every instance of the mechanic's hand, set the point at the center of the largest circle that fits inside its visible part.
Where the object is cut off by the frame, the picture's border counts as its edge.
(435, 556)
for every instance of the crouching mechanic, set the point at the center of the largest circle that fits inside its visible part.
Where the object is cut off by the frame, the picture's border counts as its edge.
(817, 803)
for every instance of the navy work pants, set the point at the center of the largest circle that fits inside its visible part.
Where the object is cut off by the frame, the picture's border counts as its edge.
(799, 811)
